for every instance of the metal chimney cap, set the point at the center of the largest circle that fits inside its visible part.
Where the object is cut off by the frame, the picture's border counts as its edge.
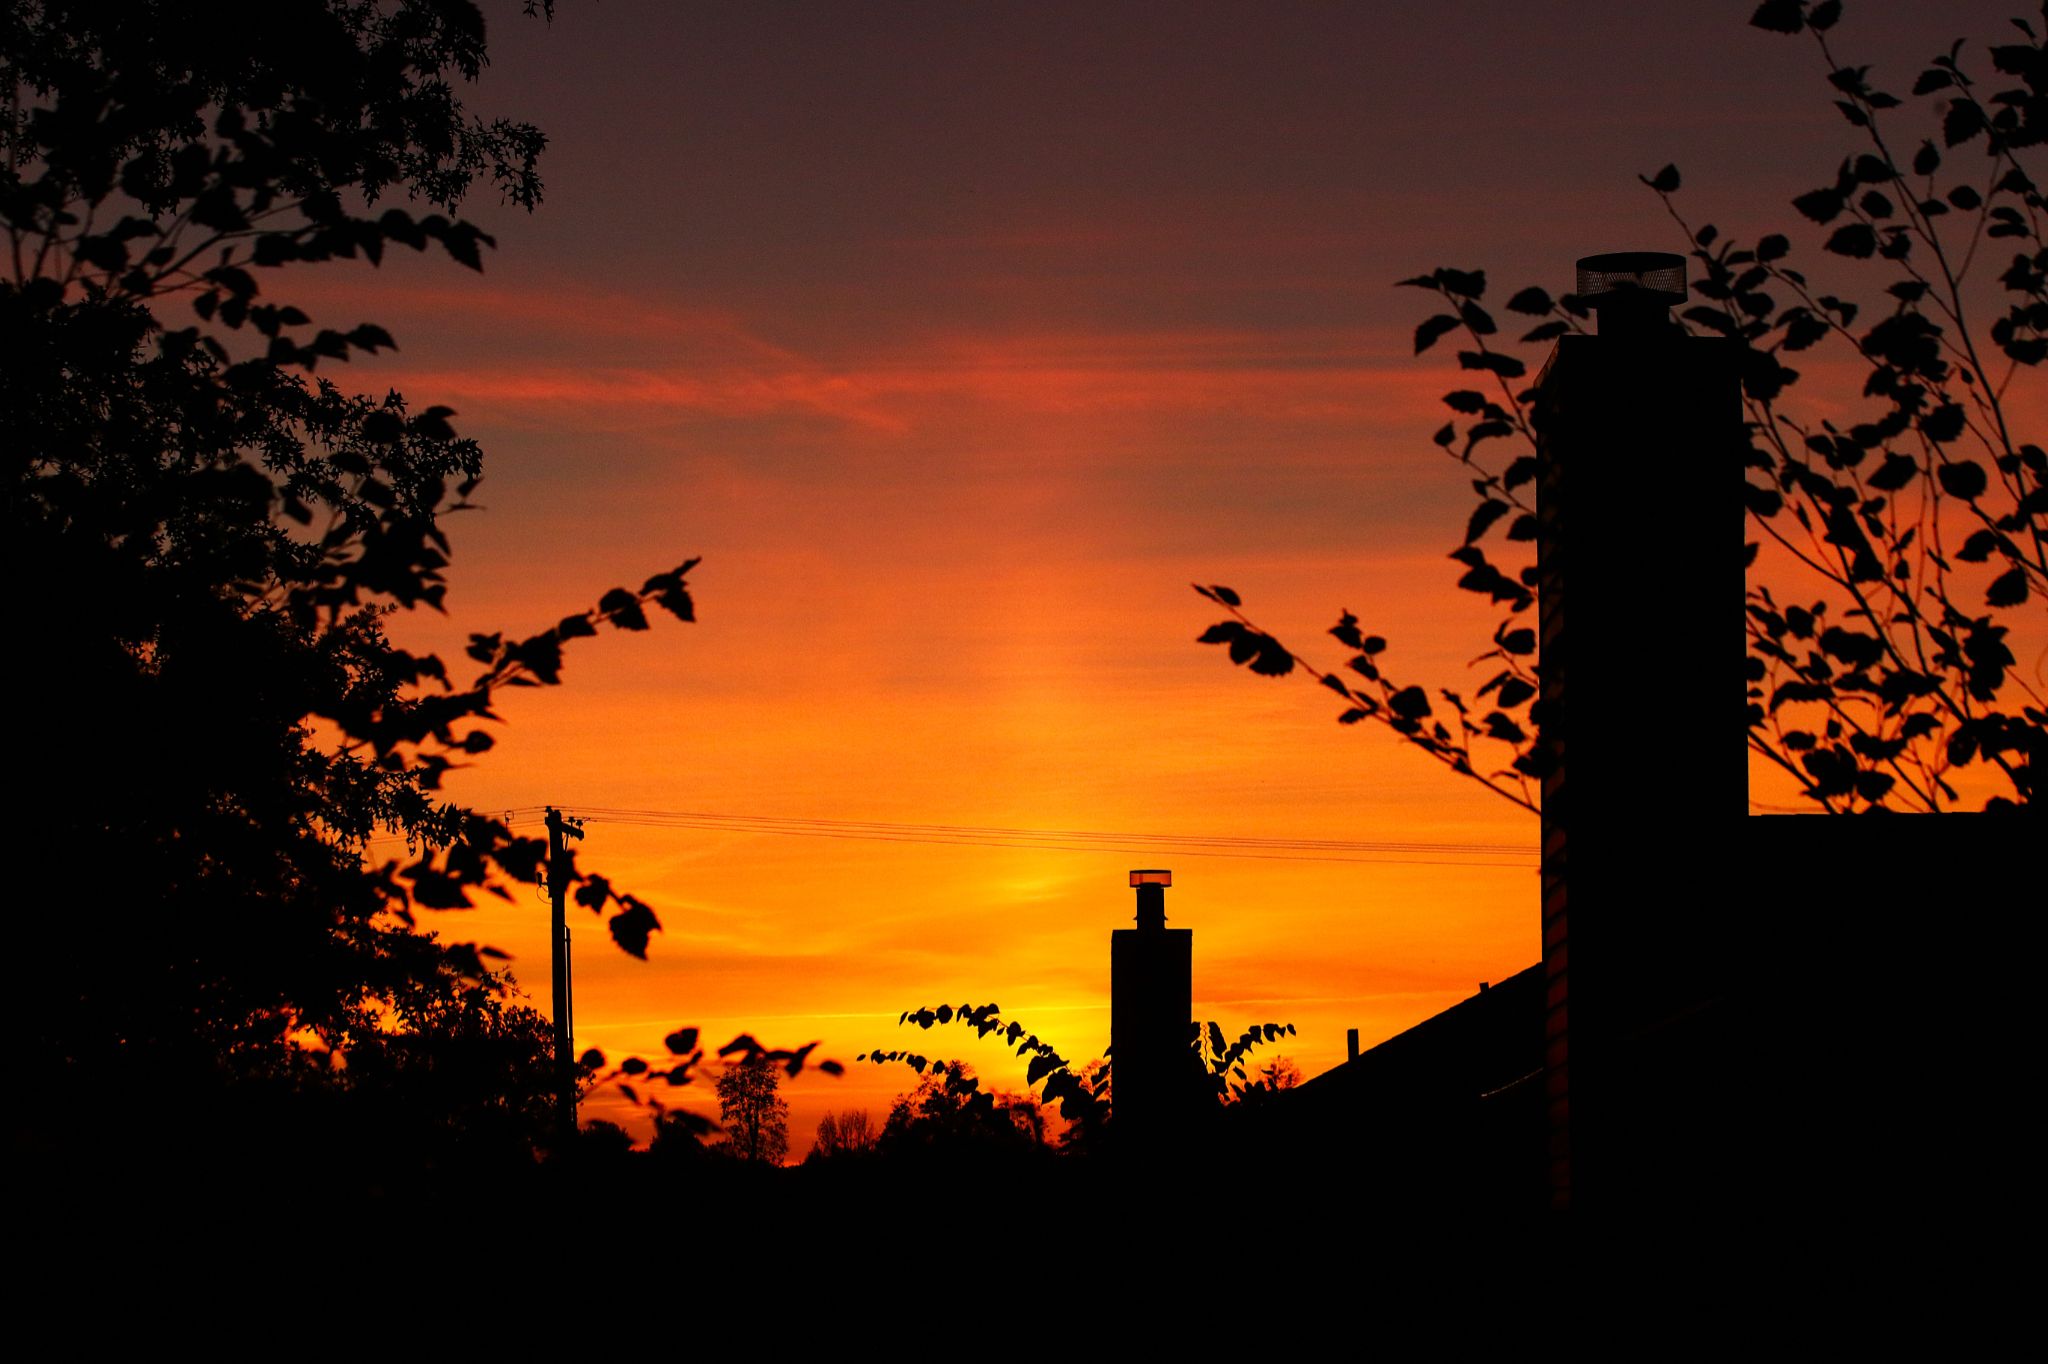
(1645, 277)
(1152, 877)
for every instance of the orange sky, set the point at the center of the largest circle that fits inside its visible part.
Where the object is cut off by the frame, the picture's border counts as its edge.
(958, 341)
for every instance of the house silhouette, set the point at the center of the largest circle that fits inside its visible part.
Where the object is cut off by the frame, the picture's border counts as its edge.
(1733, 1012)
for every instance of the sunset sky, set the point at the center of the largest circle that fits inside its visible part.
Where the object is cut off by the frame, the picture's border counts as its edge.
(959, 339)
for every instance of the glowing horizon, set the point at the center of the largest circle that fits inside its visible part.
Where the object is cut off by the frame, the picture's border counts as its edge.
(959, 343)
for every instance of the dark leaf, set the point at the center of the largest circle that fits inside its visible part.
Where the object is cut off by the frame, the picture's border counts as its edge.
(1779, 16)
(1483, 517)
(1978, 547)
(1507, 366)
(1944, 423)
(631, 926)
(1462, 283)
(1964, 478)
(1854, 648)
(2008, 589)
(622, 608)
(1432, 329)
(1964, 120)
(1273, 660)
(1895, 473)
(1857, 240)
(1821, 205)
(1410, 703)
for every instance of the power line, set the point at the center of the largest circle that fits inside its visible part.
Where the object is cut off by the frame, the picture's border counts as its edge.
(1343, 844)
(1055, 840)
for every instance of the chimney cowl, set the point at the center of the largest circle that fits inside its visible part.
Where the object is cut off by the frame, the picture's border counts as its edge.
(1151, 886)
(1632, 292)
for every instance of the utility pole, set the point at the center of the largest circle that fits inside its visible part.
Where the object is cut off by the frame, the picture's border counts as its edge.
(561, 827)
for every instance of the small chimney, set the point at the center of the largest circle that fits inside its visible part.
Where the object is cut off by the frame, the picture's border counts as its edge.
(1151, 887)
(1351, 1044)
(1159, 1085)
(1632, 292)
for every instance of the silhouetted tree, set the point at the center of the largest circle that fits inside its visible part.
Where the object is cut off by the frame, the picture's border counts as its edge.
(1915, 531)
(208, 540)
(603, 1141)
(841, 1135)
(755, 1116)
(947, 1116)
(679, 1134)
(1279, 1074)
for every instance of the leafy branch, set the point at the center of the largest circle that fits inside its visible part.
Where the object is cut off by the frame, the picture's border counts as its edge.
(1083, 1098)
(684, 1056)
(1406, 708)
(1875, 702)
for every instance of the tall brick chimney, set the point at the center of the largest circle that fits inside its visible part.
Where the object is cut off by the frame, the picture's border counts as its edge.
(1640, 448)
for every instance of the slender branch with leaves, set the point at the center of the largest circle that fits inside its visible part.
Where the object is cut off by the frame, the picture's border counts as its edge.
(1912, 538)
(1084, 1096)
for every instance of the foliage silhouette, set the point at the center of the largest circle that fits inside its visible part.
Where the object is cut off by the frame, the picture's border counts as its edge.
(685, 1055)
(679, 1134)
(1281, 1073)
(846, 1135)
(754, 1115)
(949, 1116)
(213, 535)
(1924, 520)
(1084, 1096)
